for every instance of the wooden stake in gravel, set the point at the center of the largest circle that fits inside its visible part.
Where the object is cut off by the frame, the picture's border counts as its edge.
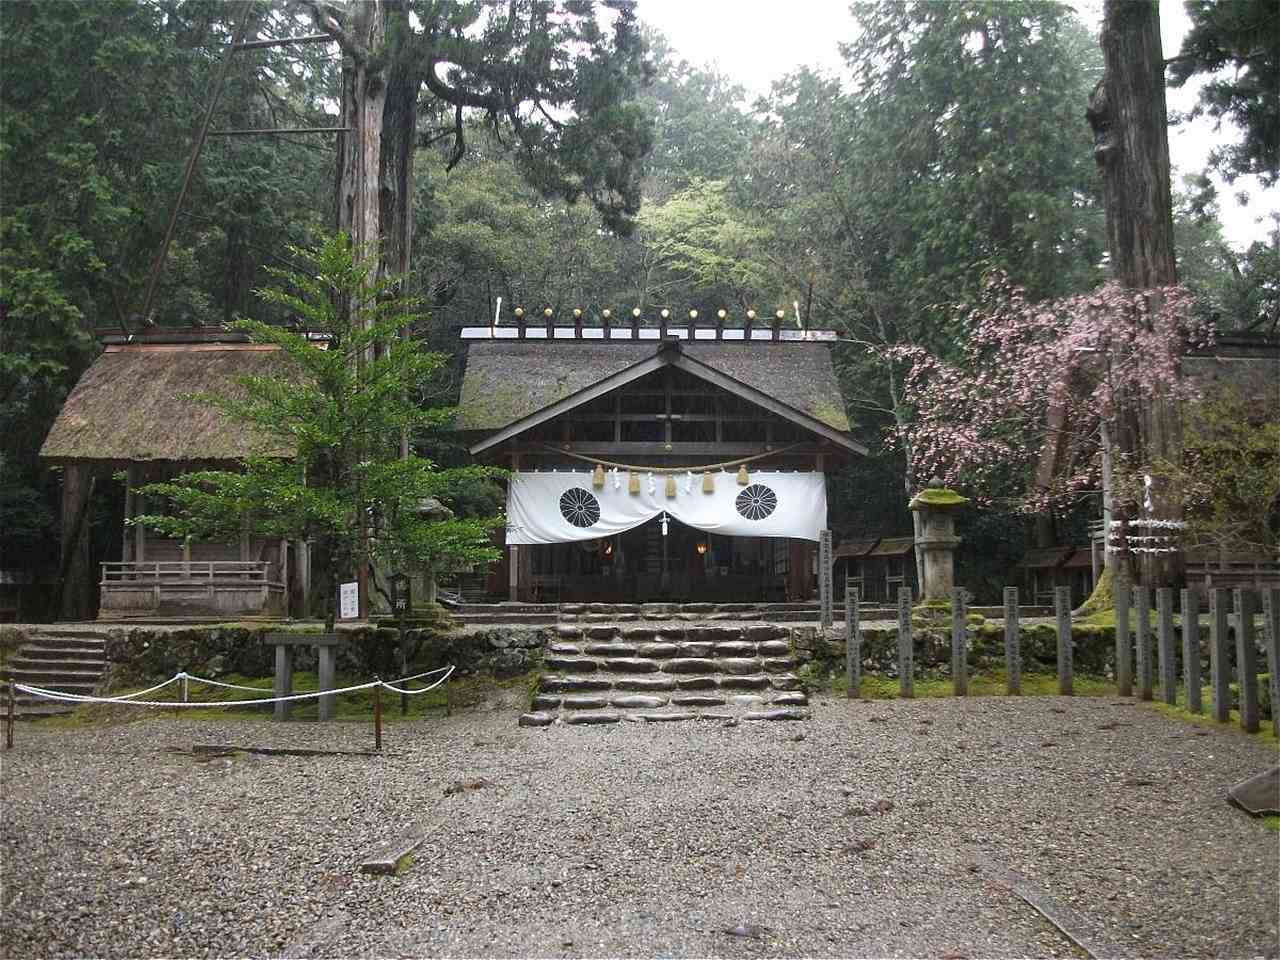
(1246, 661)
(959, 642)
(1124, 648)
(1271, 623)
(8, 726)
(1164, 639)
(1219, 655)
(377, 717)
(1142, 640)
(906, 647)
(1062, 613)
(852, 643)
(1191, 649)
(1012, 656)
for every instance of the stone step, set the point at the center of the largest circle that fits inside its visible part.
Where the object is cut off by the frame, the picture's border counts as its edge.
(26, 660)
(55, 679)
(545, 718)
(63, 648)
(527, 619)
(662, 683)
(33, 708)
(506, 608)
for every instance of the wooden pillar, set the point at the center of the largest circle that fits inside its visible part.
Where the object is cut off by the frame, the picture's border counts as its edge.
(129, 535)
(1191, 649)
(304, 577)
(1246, 660)
(1219, 653)
(513, 552)
(77, 576)
(140, 540)
(1124, 647)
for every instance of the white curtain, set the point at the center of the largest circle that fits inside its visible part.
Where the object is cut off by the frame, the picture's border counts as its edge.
(563, 506)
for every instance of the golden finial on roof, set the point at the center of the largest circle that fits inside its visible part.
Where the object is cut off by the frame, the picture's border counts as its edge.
(780, 314)
(666, 314)
(693, 314)
(606, 313)
(547, 313)
(722, 313)
(751, 314)
(519, 312)
(636, 313)
(577, 313)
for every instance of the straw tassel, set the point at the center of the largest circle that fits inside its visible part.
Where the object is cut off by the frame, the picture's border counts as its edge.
(743, 478)
(633, 482)
(708, 482)
(671, 485)
(597, 478)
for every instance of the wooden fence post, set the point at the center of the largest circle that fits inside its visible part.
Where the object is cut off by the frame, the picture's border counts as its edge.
(906, 648)
(1062, 613)
(852, 643)
(1191, 649)
(1219, 655)
(959, 642)
(1164, 640)
(1012, 655)
(1124, 648)
(1246, 660)
(1271, 622)
(1142, 640)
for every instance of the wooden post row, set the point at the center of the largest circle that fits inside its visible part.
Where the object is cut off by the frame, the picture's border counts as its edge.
(1219, 654)
(1164, 644)
(1142, 641)
(1191, 649)
(1246, 660)
(906, 645)
(1271, 620)
(1012, 655)
(1124, 646)
(959, 642)
(1062, 614)
(852, 642)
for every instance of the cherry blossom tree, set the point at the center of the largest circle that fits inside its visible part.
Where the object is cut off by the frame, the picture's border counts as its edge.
(1061, 373)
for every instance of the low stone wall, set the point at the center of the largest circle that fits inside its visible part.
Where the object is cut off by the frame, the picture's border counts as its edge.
(142, 654)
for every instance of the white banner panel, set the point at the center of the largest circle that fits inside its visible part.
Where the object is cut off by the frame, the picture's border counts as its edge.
(563, 506)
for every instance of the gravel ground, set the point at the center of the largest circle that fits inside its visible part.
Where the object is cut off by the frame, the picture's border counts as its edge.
(874, 829)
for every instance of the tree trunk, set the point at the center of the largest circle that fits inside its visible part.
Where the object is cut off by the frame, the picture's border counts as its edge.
(364, 93)
(1131, 146)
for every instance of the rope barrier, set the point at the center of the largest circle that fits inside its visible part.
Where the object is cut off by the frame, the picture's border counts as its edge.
(131, 698)
(722, 465)
(424, 689)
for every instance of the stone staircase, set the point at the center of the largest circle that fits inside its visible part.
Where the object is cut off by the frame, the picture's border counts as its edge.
(541, 614)
(606, 673)
(59, 659)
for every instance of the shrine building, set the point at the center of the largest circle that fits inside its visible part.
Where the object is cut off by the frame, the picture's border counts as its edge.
(663, 462)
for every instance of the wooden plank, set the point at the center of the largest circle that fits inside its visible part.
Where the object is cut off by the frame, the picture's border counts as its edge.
(1012, 638)
(395, 855)
(960, 642)
(906, 645)
(1062, 614)
(853, 642)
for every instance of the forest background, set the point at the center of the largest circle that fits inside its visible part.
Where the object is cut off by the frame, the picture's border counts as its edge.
(874, 204)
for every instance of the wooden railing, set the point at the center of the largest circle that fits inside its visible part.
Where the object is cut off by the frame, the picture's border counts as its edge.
(254, 571)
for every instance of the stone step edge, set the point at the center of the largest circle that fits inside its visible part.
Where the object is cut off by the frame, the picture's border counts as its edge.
(547, 718)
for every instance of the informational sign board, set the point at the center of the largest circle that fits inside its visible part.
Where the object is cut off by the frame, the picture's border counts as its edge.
(825, 589)
(348, 601)
(401, 595)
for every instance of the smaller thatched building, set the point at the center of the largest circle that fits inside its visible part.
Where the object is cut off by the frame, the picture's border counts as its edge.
(134, 412)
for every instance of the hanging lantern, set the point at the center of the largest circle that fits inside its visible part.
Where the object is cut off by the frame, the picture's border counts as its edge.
(597, 478)
(708, 482)
(743, 478)
(633, 482)
(671, 485)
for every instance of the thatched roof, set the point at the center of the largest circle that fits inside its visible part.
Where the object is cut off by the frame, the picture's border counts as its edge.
(506, 381)
(130, 406)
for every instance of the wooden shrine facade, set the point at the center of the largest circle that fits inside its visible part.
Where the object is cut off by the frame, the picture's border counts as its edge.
(567, 402)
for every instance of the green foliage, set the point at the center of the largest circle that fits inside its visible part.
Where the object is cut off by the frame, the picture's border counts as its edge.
(1237, 42)
(348, 390)
(1231, 474)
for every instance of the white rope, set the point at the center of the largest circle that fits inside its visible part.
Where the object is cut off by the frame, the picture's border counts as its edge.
(227, 686)
(424, 689)
(81, 698)
(50, 694)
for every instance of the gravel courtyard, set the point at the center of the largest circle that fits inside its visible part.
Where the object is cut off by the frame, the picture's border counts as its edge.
(874, 829)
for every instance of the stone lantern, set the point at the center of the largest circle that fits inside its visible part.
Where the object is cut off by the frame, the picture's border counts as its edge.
(937, 540)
